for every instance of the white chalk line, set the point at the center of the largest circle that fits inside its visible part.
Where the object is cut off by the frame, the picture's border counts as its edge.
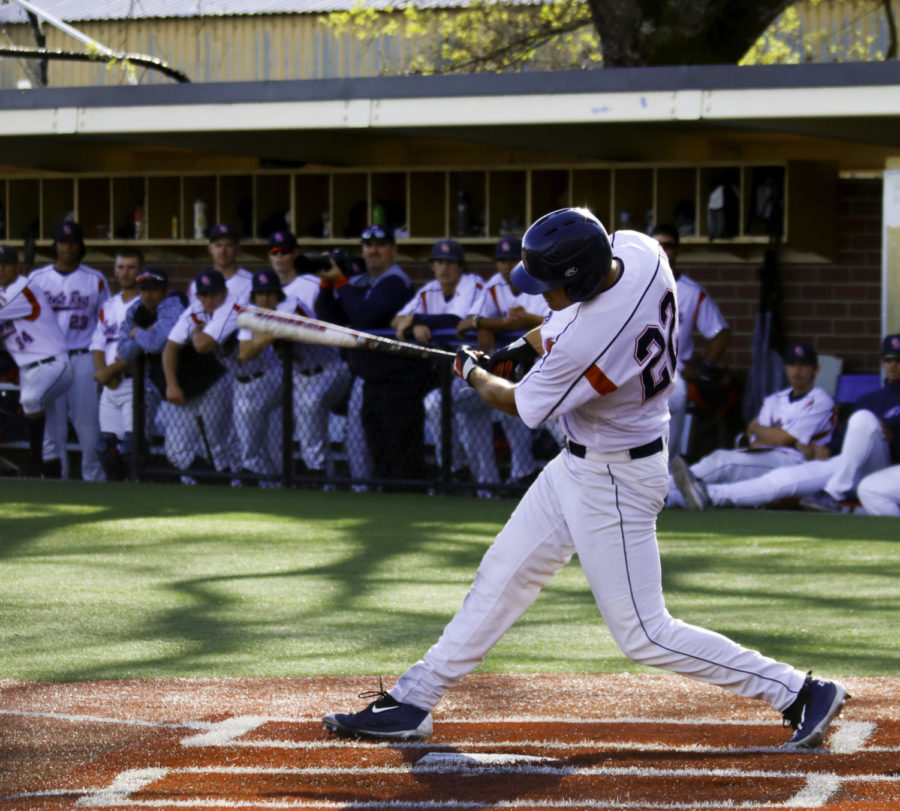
(224, 732)
(102, 719)
(520, 768)
(817, 790)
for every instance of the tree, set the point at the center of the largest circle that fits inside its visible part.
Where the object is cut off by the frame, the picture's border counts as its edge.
(683, 32)
(499, 35)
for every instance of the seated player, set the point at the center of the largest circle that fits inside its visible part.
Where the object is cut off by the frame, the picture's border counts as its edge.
(793, 426)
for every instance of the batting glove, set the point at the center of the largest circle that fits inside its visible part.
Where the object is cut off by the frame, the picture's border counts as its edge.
(466, 360)
(512, 361)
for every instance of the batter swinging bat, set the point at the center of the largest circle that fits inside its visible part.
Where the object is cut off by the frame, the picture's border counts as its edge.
(309, 330)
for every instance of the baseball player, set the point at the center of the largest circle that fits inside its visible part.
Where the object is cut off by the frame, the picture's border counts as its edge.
(320, 378)
(224, 245)
(33, 338)
(696, 312)
(793, 425)
(384, 410)
(113, 373)
(442, 303)
(76, 293)
(503, 308)
(257, 389)
(146, 329)
(870, 444)
(207, 324)
(606, 367)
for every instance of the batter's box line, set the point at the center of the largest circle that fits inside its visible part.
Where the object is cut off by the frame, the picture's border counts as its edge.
(818, 789)
(847, 738)
(105, 719)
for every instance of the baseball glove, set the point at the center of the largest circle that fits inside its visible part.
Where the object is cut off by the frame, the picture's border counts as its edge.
(197, 373)
(144, 317)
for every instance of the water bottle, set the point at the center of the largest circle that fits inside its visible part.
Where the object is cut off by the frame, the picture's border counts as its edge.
(199, 219)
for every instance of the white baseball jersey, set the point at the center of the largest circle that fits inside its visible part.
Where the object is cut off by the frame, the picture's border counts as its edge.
(238, 285)
(810, 419)
(219, 326)
(267, 358)
(28, 328)
(430, 298)
(498, 298)
(696, 310)
(109, 327)
(305, 289)
(76, 299)
(608, 363)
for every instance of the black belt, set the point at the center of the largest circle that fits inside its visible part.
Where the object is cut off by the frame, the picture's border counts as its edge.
(38, 363)
(78, 352)
(640, 452)
(248, 378)
(310, 372)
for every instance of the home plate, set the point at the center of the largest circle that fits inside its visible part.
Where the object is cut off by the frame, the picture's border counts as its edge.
(435, 761)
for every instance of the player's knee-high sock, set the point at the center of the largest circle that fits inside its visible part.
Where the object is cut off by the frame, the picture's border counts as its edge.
(35, 425)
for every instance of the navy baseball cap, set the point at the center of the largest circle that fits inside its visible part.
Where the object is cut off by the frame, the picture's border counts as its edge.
(802, 354)
(379, 233)
(448, 249)
(223, 229)
(68, 231)
(282, 242)
(266, 281)
(890, 347)
(153, 278)
(8, 254)
(508, 248)
(210, 281)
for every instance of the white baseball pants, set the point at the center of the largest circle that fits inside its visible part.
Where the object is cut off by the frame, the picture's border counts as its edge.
(606, 512)
(864, 450)
(314, 396)
(257, 421)
(879, 492)
(80, 404)
(473, 428)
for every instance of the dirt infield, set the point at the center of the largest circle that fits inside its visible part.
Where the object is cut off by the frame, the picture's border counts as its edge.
(515, 742)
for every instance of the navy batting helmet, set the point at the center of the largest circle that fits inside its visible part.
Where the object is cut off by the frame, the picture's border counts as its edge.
(567, 248)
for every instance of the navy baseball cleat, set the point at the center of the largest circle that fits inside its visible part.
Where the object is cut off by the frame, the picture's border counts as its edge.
(383, 718)
(817, 705)
(692, 488)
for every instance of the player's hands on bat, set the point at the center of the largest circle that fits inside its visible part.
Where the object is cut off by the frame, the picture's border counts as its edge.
(512, 361)
(466, 360)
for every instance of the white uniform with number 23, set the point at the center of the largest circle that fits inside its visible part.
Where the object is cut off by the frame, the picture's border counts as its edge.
(606, 372)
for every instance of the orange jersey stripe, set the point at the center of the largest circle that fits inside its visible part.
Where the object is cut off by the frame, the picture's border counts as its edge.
(599, 381)
(35, 305)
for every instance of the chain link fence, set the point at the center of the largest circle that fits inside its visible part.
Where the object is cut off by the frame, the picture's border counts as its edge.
(422, 430)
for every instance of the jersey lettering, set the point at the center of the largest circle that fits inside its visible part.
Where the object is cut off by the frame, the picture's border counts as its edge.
(78, 322)
(23, 339)
(656, 344)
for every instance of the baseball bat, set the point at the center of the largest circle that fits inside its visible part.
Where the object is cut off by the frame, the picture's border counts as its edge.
(309, 330)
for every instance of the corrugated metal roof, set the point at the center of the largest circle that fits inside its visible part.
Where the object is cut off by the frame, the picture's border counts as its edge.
(79, 10)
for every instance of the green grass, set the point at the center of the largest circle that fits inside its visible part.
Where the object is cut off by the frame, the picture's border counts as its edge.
(111, 581)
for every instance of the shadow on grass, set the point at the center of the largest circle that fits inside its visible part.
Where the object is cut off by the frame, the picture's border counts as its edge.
(396, 544)
(201, 621)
